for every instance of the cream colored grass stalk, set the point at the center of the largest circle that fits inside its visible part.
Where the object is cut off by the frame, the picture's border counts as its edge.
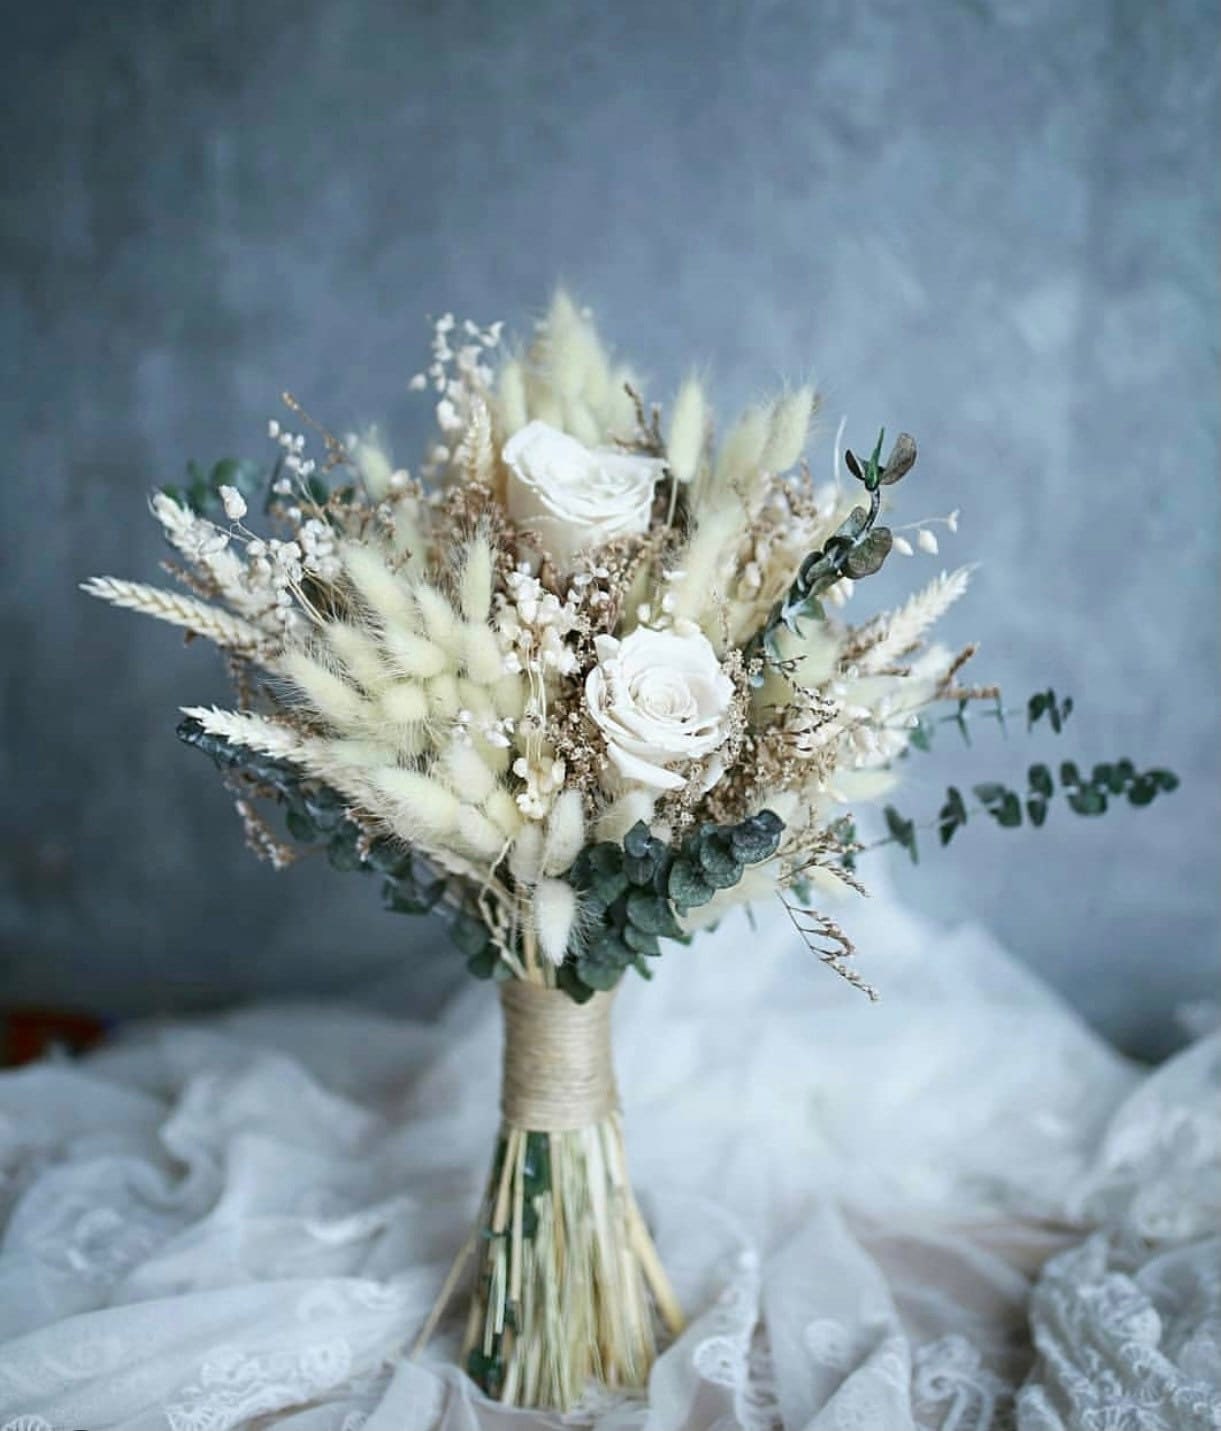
(900, 631)
(198, 617)
(567, 1281)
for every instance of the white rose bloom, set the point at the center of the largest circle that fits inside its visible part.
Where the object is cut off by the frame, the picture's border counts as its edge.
(574, 498)
(661, 699)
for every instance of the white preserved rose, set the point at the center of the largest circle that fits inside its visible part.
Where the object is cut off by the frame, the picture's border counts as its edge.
(575, 498)
(661, 700)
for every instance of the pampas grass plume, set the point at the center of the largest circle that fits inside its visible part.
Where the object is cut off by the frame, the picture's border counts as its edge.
(555, 914)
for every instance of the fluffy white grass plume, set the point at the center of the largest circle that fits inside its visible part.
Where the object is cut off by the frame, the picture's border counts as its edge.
(359, 655)
(555, 915)
(465, 772)
(565, 832)
(420, 807)
(482, 837)
(475, 580)
(514, 411)
(741, 453)
(403, 703)
(444, 702)
(373, 463)
(526, 856)
(481, 654)
(384, 592)
(501, 808)
(414, 655)
(688, 430)
(331, 696)
(620, 815)
(788, 429)
(441, 622)
(703, 562)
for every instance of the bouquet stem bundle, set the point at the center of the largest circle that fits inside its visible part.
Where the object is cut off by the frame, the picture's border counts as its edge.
(567, 1281)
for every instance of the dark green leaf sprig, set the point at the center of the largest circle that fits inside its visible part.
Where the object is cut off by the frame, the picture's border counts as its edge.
(856, 549)
(1085, 795)
(256, 482)
(633, 894)
(316, 817)
(201, 493)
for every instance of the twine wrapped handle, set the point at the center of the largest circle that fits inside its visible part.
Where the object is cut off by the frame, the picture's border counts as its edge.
(558, 1072)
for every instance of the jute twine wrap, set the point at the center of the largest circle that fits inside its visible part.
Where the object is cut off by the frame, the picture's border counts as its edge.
(558, 1073)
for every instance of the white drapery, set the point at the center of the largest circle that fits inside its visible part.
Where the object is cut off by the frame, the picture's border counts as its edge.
(957, 1209)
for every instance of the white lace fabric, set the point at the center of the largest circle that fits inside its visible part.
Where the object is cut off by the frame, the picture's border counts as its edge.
(954, 1211)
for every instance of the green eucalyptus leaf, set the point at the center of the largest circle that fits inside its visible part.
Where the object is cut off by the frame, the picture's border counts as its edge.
(653, 914)
(567, 978)
(902, 831)
(687, 885)
(720, 865)
(901, 460)
(1009, 812)
(868, 555)
(953, 814)
(1040, 781)
(343, 850)
(469, 934)
(1088, 801)
(757, 838)
(640, 942)
(483, 962)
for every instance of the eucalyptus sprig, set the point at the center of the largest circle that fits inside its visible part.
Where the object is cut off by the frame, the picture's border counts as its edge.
(857, 548)
(316, 817)
(1085, 796)
(1042, 703)
(634, 894)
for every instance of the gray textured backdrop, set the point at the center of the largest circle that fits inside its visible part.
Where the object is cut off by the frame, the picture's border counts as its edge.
(992, 222)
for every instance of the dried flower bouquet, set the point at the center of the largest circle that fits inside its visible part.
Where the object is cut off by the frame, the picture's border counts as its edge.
(582, 684)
